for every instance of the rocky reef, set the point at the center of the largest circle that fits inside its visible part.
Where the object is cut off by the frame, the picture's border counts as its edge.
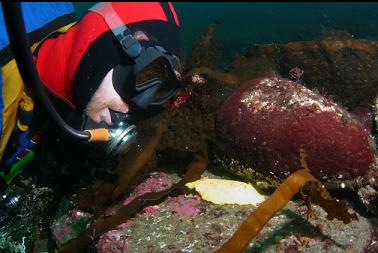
(187, 224)
(251, 120)
(342, 69)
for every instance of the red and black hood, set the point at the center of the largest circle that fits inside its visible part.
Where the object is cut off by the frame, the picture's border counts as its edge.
(74, 63)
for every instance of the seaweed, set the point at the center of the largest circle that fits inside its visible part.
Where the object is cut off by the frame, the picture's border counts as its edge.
(335, 208)
(95, 198)
(7, 244)
(251, 227)
(129, 170)
(82, 243)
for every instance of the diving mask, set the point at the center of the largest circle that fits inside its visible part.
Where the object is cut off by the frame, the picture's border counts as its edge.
(145, 85)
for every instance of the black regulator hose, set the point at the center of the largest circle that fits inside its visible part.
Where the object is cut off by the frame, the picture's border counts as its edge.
(20, 44)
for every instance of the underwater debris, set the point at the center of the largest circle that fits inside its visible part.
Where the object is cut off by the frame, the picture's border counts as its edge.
(222, 191)
(250, 228)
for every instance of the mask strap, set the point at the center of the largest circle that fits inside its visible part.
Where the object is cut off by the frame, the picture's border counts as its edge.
(130, 45)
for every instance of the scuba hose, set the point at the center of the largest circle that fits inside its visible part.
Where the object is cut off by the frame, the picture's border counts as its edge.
(20, 44)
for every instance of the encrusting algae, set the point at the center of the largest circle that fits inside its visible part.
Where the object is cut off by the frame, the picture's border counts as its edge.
(251, 227)
(122, 214)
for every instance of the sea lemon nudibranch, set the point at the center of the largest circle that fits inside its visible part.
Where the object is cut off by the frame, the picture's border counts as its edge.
(222, 192)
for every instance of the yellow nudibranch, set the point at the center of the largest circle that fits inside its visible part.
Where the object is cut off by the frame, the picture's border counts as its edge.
(222, 192)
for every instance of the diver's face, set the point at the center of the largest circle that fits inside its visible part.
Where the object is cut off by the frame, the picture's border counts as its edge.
(106, 97)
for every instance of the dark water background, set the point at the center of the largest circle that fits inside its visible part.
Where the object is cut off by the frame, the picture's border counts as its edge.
(261, 23)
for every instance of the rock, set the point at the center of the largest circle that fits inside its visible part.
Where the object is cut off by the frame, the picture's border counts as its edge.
(70, 225)
(265, 123)
(344, 69)
(330, 33)
(170, 231)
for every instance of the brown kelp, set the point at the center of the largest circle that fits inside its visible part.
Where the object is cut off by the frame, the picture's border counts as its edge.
(82, 243)
(129, 170)
(95, 198)
(250, 228)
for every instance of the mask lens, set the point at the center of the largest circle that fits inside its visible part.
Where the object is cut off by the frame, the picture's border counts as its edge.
(159, 69)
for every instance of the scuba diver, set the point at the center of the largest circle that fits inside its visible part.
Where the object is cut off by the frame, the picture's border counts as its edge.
(116, 66)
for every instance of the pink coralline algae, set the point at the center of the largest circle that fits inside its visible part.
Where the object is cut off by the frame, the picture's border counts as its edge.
(151, 209)
(125, 225)
(152, 184)
(113, 241)
(183, 205)
(69, 226)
